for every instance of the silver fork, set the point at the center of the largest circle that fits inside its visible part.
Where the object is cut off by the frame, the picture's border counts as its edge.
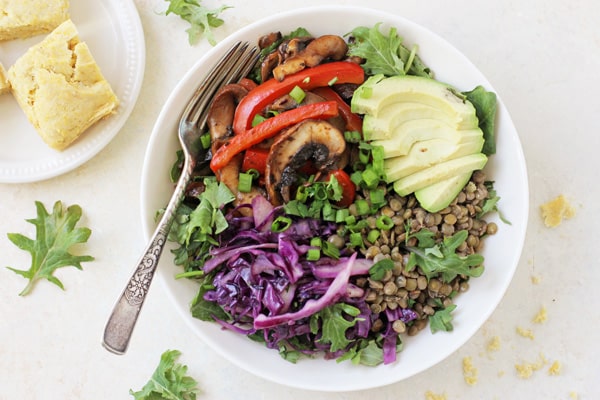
(233, 66)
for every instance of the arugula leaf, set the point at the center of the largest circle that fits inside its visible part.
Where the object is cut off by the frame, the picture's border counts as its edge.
(491, 203)
(201, 18)
(485, 104)
(169, 381)
(441, 320)
(377, 270)
(385, 54)
(55, 234)
(441, 258)
(334, 324)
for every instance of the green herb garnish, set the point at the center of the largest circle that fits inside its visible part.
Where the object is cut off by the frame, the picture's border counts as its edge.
(441, 320)
(201, 19)
(55, 234)
(169, 381)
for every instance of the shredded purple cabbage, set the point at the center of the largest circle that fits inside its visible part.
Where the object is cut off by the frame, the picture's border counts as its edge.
(265, 283)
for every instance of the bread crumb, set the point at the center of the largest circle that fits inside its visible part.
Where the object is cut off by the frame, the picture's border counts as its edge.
(470, 373)
(536, 280)
(526, 333)
(25, 18)
(555, 210)
(526, 369)
(494, 344)
(554, 368)
(574, 395)
(4, 85)
(541, 316)
(429, 395)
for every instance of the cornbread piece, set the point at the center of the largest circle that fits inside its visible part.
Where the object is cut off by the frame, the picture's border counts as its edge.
(4, 85)
(60, 87)
(555, 210)
(25, 18)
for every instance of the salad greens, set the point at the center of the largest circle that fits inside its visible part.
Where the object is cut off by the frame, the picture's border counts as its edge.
(201, 18)
(169, 381)
(55, 235)
(441, 259)
(485, 104)
(386, 54)
(442, 320)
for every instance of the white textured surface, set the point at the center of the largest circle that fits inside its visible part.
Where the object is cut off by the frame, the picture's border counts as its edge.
(540, 56)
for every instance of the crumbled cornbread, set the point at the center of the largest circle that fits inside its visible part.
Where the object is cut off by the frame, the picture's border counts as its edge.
(60, 87)
(555, 210)
(526, 333)
(574, 395)
(536, 280)
(541, 316)
(470, 373)
(26, 18)
(429, 395)
(4, 85)
(554, 368)
(526, 369)
(494, 344)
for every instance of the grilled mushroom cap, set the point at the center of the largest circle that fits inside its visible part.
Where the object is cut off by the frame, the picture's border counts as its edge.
(311, 140)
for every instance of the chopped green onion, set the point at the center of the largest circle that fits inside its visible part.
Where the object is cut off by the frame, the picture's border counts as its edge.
(332, 81)
(362, 206)
(341, 215)
(364, 155)
(377, 197)
(373, 235)
(257, 120)
(254, 172)
(205, 140)
(350, 220)
(301, 193)
(356, 178)
(330, 250)
(315, 242)
(281, 224)
(356, 239)
(328, 212)
(297, 94)
(245, 182)
(370, 177)
(321, 192)
(384, 222)
(313, 254)
(352, 136)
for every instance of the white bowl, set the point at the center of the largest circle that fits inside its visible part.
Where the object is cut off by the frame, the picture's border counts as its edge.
(507, 168)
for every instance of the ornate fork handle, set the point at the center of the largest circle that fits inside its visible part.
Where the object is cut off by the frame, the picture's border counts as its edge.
(125, 313)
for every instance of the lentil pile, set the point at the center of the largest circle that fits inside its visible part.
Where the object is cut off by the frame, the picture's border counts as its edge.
(412, 289)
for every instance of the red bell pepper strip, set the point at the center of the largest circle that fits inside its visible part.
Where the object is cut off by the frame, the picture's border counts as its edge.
(348, 187)
(307, 79)
(353, 121)
(255, 158)
(269, 128)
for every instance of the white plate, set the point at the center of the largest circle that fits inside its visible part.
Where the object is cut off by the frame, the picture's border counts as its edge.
(113, 31)
(424, 350)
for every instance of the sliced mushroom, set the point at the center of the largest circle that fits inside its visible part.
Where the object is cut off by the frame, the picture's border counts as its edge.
(326, 47)
(311, 140)
(220, 119)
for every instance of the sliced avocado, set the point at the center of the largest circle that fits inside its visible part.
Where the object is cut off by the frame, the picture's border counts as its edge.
(392, 115)
(417, 130)
(438, 196)
(439, 172)
(377, 92)
(427, 153)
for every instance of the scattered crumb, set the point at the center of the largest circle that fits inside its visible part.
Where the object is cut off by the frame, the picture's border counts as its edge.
(526, 333)
(526, 369)
(429, 395)
(555, 210)
(494, 344)
(541, 316)
(470, 373)
(554, 368)
(536, 280)
(501, 374)
(574, 395)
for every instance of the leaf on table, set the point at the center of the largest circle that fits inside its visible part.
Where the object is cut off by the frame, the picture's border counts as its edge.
(55, 234)
(169, 381)
(201, 19)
